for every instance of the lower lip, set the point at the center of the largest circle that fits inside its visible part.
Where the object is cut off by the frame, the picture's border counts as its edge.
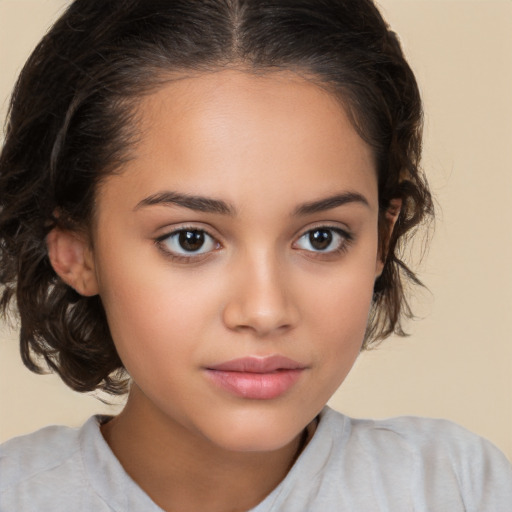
(255, 386)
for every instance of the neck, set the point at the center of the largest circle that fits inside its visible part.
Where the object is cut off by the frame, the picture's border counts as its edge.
(183, 471)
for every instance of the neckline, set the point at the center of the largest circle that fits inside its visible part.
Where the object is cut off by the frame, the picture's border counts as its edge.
(115, 487)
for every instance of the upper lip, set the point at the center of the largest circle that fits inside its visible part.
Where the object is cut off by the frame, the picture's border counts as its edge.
(253, 364)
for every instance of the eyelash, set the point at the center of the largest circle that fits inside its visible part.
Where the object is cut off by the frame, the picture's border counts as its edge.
(182, 258)
(346, 239)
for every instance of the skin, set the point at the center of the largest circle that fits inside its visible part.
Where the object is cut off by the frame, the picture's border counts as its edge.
(265, 146)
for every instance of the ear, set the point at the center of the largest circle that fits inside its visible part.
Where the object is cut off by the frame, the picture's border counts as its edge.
(72, 259)
(385, 232)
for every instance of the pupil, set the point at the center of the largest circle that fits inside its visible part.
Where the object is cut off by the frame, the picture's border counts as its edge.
(191, 240)
(320, 239)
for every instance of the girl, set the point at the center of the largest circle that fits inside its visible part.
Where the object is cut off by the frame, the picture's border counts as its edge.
(211, 197)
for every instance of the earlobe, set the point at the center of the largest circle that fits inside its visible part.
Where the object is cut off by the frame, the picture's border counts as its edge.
(390, 218)
(71, 258)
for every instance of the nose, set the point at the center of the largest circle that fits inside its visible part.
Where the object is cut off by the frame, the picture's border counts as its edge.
(261, 299)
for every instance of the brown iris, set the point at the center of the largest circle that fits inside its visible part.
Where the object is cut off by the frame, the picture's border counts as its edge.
(320, 239)
(191, 241)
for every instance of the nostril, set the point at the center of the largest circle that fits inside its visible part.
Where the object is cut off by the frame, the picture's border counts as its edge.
(242, 317)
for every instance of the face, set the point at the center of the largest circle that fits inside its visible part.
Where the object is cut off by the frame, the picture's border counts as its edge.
(235, 255)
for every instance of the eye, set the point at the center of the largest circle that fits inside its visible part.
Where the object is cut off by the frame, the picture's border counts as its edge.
(323, 240)
(188, 242)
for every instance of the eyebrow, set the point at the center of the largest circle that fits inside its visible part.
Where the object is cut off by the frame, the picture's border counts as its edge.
(197, 203)
(331, 202)
(210, 205)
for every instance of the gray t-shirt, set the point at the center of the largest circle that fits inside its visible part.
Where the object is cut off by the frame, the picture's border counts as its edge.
(398, 465)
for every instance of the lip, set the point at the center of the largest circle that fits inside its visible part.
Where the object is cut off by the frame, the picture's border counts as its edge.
(257, 378)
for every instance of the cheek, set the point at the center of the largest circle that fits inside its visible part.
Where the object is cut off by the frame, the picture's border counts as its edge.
(341, 301)
(153, 312)
(338, 313)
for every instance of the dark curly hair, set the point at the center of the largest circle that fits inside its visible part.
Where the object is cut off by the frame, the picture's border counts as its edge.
(71, 123)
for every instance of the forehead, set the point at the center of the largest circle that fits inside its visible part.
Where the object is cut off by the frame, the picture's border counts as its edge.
(239, 135)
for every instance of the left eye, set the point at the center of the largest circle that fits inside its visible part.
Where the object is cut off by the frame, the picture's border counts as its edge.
(322, 240)
(187, 242)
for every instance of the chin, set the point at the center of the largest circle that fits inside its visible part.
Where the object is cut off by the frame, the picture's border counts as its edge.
(258, 433)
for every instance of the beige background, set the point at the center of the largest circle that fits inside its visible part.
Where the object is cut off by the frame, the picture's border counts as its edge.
(458, 362)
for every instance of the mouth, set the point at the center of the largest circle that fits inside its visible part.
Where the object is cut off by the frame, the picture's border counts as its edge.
(256, 378)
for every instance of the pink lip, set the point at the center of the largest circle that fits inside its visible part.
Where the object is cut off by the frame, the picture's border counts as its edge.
(256, 378)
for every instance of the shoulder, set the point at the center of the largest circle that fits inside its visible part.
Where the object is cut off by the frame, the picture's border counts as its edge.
(61, 469)
(438, 461)
(35, 468)
(23, 457)
(414, 435)
(427, 439)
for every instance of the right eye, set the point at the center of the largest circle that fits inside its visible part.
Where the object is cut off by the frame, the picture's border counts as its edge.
(187, 242)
